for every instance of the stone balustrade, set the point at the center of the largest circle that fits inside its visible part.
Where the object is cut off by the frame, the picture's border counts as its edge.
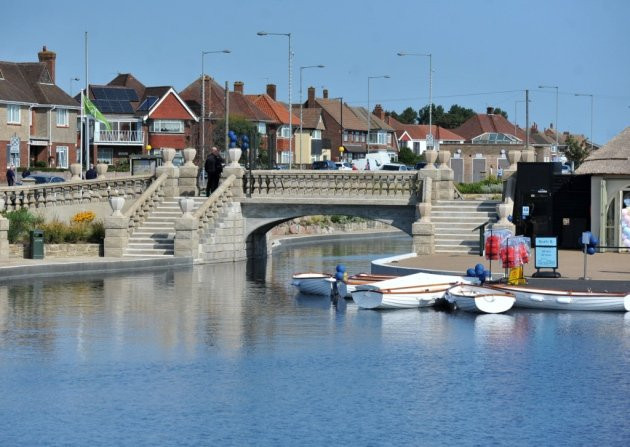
(320, 184)
(70, 193)
(142, 207)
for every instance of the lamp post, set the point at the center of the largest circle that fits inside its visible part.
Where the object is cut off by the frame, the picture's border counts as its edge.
(556, 124)
(71, 81)
(302, 105)
(368, 108)
(430, 56)
(588, 94)
(203, 105)
(264, 33)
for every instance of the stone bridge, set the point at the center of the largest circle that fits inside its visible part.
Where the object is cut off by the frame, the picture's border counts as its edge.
(233, 223)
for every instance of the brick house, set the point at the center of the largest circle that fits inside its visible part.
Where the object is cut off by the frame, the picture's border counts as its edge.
(37, 118)
(414, 136)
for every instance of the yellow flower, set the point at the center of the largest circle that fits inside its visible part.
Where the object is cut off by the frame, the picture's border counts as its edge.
(84, 217)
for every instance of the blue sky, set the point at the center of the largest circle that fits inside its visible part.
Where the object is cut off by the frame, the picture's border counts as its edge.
(485, 52)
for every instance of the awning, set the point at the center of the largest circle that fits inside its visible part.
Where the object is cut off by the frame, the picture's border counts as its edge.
(39, 142)
(355, 148)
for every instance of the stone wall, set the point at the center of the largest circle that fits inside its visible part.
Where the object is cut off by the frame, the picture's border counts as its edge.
(306, 226)
(57, 250)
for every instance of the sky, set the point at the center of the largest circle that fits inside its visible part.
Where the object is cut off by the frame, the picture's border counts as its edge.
(484, 52)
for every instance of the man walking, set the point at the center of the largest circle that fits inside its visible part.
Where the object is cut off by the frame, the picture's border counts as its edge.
(213, 168)
(10, 176)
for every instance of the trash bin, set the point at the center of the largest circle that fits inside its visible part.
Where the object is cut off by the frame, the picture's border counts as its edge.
(37, 244)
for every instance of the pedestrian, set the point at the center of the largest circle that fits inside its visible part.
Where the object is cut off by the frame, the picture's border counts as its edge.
(26, 172)
(213, 168)
(367, 165)
(11, 175)
(90, 174)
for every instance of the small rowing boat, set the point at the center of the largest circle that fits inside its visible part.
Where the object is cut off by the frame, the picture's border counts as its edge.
(406, 292)
(471, 298)
(363, 278)
(314, 283)
(537, 298)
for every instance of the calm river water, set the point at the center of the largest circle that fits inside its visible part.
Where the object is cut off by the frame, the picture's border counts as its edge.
(224, 355)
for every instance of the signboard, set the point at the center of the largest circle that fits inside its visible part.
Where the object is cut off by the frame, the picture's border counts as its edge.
(546, 252)
(429, 140)
(143, 166)
(525, 212)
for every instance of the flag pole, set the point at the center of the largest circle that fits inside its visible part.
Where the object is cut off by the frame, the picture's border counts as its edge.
(80, 160)
(87, 92)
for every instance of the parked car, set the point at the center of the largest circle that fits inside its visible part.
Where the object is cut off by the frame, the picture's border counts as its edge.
(44, 178)
(343, 166)
(394, 167)
(325, 164)
(566, 169)
(420, 165)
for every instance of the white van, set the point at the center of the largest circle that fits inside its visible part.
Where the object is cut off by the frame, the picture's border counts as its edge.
(376, 161)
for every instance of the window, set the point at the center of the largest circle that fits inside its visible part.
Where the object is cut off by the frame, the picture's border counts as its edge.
(62, 118)
(316, 135)
(285, 157)
(389, 138)
(262, 128)
(105, 155)
(495, 138)
(416, 147)
(167, 126)
(62, 157)
(283, 132)
(13, 114)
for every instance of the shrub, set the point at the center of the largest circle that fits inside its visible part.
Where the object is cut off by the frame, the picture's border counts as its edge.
(97, 232)
(20, 223)
(55, 232)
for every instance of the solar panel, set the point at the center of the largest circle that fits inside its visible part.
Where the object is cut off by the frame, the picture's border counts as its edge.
(148, 103)
(131, 94)
(99, 93)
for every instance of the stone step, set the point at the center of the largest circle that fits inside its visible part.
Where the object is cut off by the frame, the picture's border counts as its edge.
(148, 252)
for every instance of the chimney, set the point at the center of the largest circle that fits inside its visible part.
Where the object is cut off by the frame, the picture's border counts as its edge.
(271, 91)
(325, 93)
(48, 57)
(238, 87)
(490, 110)
(378, 111)
(311, 97)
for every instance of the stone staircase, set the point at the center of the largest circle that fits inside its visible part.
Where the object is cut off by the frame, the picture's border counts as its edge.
(455, 220)
(156, 236)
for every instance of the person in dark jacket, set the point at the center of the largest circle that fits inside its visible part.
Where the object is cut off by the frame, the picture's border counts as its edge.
(26, 172)
(213, 168)
(10, 176)
(90, 174)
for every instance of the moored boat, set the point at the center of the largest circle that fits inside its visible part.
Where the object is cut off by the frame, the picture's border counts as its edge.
(314, 283)
(406, 292)
(538, 298)
(361, 279)
(471, 298)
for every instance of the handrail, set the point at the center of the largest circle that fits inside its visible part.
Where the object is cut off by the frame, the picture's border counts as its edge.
(146, 195)
(482, 230)
(214, 197)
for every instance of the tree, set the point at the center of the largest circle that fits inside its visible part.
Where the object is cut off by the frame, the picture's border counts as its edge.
(455, 116)
(407, 157)
(437, 115)
(576, 151)
(239, 125)
(408, 116)
(498, 111)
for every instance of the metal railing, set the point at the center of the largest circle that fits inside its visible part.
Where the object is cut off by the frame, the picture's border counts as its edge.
(119, 136)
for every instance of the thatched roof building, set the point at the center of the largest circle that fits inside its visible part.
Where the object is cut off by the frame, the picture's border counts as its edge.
(612, 158)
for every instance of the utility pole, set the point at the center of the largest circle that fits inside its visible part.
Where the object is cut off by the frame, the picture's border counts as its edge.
(526, 119)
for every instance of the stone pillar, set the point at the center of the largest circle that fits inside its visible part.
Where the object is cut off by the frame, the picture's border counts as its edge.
(188, 174)
(171, 188)
(504, 210)
(446, 176)
(4, 232)
(514, 156)
(101, 170)
(529, 155)
(431, 172)
(116, 229)
(187, 230)
(423, 231)
(75, 169)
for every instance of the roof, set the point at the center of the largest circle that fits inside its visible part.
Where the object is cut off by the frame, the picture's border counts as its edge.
(420, 131)
(334, 109)
(482, 123)
(30, 82)
(215, 101)
(128, 80)
(611, 158)
(155, 96)
(375, 122)
(274, 110)
(311, 118)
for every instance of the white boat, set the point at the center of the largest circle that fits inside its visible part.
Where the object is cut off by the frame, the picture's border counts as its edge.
(481, 299)
(406, 292)
(314, 283)
(536, 298)
(361, 279)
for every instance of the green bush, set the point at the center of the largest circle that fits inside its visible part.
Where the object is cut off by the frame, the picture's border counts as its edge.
(54, 232)
(20, 223)
(97, 232)
(488, 186)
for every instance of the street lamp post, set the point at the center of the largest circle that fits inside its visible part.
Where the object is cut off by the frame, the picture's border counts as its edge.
(301, 104)
(203, 105)
(588, 94)
(556, 124)
(71, 81)
(368, 108)
(430, 56)
(264, 33)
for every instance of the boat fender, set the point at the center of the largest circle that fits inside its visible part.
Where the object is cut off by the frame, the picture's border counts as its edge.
(564, 300)
(537, 297)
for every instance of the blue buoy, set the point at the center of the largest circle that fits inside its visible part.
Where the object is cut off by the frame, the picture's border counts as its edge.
(341, 268)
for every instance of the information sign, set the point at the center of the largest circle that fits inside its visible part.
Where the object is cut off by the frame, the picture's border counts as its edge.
(546, 252)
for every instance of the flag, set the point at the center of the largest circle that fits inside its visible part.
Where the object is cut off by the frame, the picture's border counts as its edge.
(90, 109)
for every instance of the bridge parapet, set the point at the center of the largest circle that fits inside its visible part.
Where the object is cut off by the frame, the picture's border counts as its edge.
(321, 184)
(70, 193)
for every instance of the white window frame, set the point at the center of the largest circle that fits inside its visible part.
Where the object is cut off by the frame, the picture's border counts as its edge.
(62, 156)
(164, 126)
(63, 118)
(283, 132)
(285, 157)
(316, 134)
(14, 114)
(262, 128)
